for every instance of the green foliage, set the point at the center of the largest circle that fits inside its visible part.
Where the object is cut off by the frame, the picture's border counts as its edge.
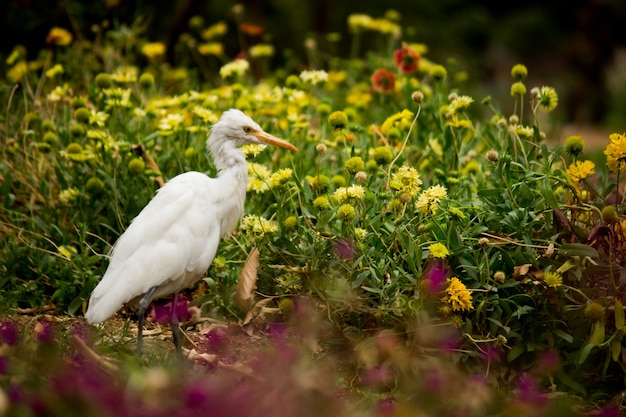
(349, 220)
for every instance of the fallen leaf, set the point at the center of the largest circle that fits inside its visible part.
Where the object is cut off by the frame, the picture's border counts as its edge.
(247, 281)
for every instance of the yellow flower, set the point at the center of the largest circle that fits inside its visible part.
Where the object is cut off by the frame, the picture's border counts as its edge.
(125, 74)
(314, 77)
(457, 296)
(616, 152)
(552, 279)
(218, 29)
(580, 170)
(460, 104)
(59, 36)
(211, 48)
(429, 199)
(401, 120)
(281, 177)
(258, 226)
(548, 99)
(346, 212)
(438, 250)
(353, 192)
(54, 71)
(261, 50)
(153, 50)
(18, 71)
(406, 180)
(237, 67)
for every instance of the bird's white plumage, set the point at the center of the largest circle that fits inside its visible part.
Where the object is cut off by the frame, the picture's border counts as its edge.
(174, 239)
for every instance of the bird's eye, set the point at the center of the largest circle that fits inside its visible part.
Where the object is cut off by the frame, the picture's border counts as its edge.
(247, 129)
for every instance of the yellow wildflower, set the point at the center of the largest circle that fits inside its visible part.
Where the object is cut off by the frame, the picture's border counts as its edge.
(459, 104)
(429, 199)
(580, 170)
(258, 226)
(438, 250)
(280, 177)
(262, 50)
(406, 180)
(211, 48)
(153, 50)
(237, 67)
(218, 29)
(54, 71)
(552, 279)
(353, 192)
(457, 296)
(314, 77)
(616, 152)
(548, 98)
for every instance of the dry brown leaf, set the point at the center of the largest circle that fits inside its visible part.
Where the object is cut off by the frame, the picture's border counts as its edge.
(527, 269)
(193, 354)
(247, 281)
(256, 310)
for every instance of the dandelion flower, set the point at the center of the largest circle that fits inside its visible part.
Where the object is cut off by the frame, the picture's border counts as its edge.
(553, 279)
(438, 250)
(616, 152)
(457, 296)
(460, 104)
(580, 170)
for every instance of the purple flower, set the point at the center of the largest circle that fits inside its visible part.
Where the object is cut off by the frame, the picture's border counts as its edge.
(344, 249)
(435, 278)
(216, 339)
(548, 362)
(44, 331)
(9, 333)
(527, 391)
(163, 313)
(376, 375)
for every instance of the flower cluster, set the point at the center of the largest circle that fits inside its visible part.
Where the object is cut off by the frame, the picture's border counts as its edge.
(457, 296)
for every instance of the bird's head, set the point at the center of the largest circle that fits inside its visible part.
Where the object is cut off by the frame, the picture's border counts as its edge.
(237, 127)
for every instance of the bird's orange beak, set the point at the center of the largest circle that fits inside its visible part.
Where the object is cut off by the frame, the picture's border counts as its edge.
(273, 140)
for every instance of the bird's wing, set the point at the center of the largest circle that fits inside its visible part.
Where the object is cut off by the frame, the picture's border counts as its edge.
(169, 244)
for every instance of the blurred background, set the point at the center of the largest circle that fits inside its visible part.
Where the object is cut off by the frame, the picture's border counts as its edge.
(578, 47)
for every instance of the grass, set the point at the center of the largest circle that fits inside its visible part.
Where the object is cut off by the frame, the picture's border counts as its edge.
(423, 253)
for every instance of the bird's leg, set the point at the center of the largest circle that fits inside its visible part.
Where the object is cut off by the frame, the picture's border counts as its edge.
(174, 323)
(143, 305)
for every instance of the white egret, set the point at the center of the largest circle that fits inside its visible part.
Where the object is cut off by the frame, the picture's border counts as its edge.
(173, 240)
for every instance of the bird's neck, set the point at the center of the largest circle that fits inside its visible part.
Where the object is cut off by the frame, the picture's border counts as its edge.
(229, 160)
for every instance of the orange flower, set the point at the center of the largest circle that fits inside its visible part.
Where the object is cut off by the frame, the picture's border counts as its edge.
(406, 59)
(251, 29)
(383, 81)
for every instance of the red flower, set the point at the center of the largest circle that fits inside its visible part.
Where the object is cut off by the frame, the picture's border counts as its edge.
(406, 59)
(383, 81)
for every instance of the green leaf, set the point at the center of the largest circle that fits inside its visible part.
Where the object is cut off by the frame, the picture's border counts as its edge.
(515, 352)
(584, 352)
(577, 249)
(570, 382)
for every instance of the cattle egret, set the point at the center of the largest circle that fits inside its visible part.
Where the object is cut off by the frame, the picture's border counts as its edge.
(173, 240)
